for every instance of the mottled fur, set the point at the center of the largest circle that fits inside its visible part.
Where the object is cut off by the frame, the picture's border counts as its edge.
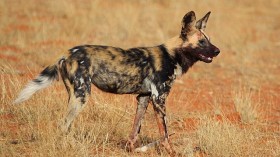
(146, 71)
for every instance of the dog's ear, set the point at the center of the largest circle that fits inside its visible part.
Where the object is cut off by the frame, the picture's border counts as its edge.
(201, 24)
(187, 23)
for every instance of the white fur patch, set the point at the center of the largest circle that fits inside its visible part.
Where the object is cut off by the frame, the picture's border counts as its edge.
(178, 71)
(82, 80)
(75, 50)
(33, 87)
(154, 90)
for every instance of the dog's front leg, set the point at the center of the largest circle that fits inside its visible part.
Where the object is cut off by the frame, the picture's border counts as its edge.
(142, 104)
(160, 114)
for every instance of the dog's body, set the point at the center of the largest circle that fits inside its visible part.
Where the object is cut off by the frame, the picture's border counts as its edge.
(146, 71)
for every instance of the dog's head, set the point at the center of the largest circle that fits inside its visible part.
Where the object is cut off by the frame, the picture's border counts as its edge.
(195, 40)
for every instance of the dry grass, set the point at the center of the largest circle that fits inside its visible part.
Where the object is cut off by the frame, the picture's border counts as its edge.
(227, 139)
(249, 110)
(33, 32)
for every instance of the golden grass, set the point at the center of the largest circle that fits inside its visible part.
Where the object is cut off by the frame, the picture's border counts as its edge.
(227, 139)
(249, 110)
(34, 31)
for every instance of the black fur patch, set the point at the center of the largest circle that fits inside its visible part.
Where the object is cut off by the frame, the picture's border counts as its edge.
(168, 64)
(184, 59)
(164, 78)
(50, 71)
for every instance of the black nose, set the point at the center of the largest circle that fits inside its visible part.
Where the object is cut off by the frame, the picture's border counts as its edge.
(216, 51)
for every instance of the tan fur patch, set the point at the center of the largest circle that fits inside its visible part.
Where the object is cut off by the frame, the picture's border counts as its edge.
(192, 40)
(173, 43)
(72, 66)
(203, 33)
(157, 55)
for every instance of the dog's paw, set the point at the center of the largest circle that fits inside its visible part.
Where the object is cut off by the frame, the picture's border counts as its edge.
(129, 146)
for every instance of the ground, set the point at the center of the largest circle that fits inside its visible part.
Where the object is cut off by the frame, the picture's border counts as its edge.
(227, 108)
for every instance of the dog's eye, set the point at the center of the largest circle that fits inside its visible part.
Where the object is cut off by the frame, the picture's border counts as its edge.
(202, 42)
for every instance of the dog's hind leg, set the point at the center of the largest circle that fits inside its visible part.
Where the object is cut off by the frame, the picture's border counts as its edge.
(143, 101)
(79, 88)
(75, 106)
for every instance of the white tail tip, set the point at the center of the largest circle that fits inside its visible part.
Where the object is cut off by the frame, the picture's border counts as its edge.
(32, 87)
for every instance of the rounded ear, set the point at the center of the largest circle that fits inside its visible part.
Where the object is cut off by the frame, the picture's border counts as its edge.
(201, 24)
(187, 23)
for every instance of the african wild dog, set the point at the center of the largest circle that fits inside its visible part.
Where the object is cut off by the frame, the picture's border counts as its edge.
(146, 71)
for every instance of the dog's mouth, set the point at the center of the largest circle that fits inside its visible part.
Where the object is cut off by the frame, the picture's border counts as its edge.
(206, 59)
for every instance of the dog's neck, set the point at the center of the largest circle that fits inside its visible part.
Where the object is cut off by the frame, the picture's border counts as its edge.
(180, 55)
(185, 60)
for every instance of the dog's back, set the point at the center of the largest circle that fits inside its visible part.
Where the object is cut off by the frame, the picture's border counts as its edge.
(120, 71)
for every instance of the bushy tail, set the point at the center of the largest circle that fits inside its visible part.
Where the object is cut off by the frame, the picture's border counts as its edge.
(46, 77)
